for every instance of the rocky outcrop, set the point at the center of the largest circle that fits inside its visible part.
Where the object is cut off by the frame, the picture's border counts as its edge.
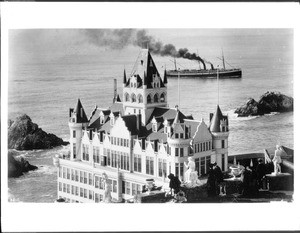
(17, 167)
(268, 102)
(23, 134)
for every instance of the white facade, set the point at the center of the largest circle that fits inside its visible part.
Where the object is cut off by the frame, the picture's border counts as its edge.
(130, 147)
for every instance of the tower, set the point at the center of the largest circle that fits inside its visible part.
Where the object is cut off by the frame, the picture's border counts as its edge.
(220, 131)
(144, 89)
(77, 121)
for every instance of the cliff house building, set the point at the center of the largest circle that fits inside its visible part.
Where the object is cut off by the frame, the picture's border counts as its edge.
(137, 139)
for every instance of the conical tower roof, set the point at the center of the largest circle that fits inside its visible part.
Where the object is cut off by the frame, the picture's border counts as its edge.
(177, 117)
(146, 68)
(165, 77)
(80, 113)
(124, 77)
(215, 121)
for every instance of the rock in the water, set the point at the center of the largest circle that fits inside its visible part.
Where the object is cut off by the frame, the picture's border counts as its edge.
(268, 102)
(251, 108)
(16, 167)
(276, 102)
(23, 134)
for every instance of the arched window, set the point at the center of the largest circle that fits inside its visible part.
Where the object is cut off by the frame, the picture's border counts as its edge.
(154, 84)
(149, 99)
(133, 98)
(126, 97)
(155, 99)
(140, 98)
(162, 97)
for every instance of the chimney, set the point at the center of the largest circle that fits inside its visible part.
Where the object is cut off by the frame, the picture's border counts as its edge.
(71, 110)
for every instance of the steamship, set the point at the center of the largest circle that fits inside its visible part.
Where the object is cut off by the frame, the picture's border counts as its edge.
(212, 73)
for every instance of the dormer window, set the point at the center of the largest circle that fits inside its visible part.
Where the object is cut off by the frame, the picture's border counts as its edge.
(101, 119)
(112, 119)
(154, 125)
(223, 126)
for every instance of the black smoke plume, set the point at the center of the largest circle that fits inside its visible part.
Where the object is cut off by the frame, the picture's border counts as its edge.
(120, 38)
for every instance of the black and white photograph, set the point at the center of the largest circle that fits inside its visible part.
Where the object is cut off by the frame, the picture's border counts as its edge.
(178, 118)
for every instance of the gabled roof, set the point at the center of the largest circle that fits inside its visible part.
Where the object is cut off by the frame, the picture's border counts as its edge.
(215, 121)
(80, 113)
(168, 114)
(94, 121)
(117, 107)
(131, 123)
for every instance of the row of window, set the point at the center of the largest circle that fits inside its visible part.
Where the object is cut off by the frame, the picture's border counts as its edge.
(117, 159)
(202, 165)
(127, 188)
(156, 98)
(75, 175)
(77, 191)
(131, 188)
(179, 152)
(202, 146)
(85, 152)
(99, 183)
(119, 141)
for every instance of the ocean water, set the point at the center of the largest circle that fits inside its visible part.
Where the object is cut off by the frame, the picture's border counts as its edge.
(44, 83)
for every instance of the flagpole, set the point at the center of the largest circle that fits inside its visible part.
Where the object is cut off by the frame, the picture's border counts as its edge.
(178, 90)
(218, 83)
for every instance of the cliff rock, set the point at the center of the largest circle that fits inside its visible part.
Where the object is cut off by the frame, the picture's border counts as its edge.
(17, 167)
(268, 102)
(23, 134)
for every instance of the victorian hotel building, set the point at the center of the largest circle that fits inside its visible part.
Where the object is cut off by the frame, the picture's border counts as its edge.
(137, 139)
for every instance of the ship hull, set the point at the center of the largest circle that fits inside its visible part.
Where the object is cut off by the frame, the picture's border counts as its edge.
(206, 74)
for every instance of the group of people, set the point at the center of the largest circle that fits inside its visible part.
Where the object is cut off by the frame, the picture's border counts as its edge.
(215, 185)
(252, 179)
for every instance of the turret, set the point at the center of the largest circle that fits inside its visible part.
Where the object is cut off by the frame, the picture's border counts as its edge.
(144, 89)
(78, 120)
(220, 132)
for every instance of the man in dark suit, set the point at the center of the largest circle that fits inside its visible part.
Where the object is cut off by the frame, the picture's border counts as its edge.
(219, 178)
(260, 172)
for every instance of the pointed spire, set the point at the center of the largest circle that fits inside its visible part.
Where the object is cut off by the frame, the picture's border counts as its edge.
(124, 77)
(145, 79)
(176, 119)
(215, 121)
(80, 113)
(118, 98)
(165, 77)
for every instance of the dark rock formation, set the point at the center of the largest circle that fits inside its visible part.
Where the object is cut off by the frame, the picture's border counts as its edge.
(17, 167)
(23, 134)
(268, 102)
